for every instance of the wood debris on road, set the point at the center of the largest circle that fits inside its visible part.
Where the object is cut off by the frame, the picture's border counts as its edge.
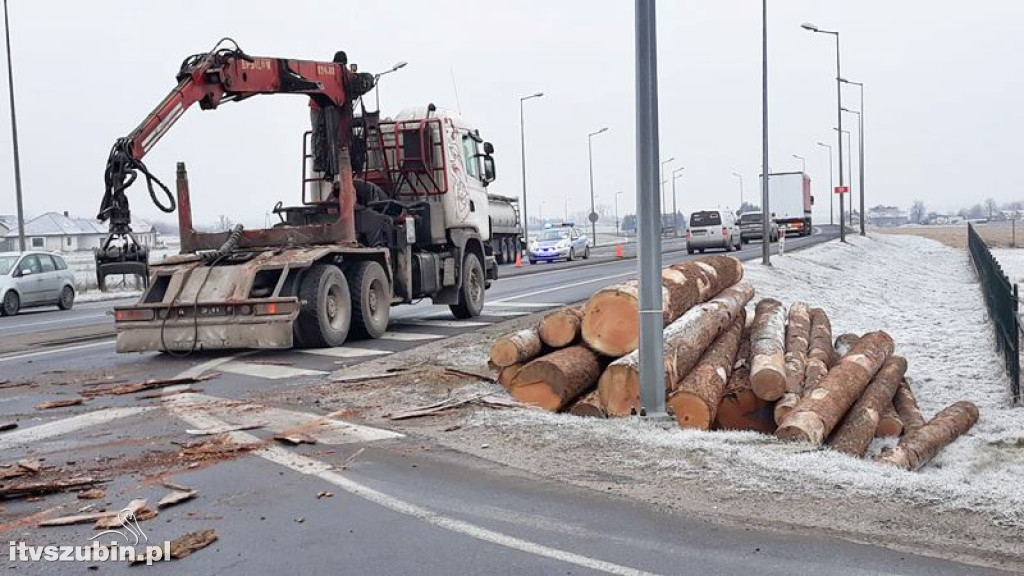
(60, 403)
(27, 489)
(177, 497)
(225, 429)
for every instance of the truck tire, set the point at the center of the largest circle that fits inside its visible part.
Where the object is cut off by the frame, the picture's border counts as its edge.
(510, 256)
(471, 293)
(371, 299)
(326, 308)
(498, 249)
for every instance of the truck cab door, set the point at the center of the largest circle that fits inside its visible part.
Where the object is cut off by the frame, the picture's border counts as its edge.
(477, 216)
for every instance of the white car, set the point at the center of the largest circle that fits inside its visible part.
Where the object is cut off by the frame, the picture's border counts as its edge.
(34, 279)
(712, 229)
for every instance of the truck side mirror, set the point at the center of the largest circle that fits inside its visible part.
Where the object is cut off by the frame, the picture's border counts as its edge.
(812, 200)
(488, 148)
(489, 169)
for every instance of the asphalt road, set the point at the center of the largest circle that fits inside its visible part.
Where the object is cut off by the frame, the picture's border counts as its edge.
(400, 506)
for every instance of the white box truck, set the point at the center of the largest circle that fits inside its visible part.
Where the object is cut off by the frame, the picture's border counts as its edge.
(791, 202)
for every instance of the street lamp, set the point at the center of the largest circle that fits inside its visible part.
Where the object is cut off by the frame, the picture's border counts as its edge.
(590, 157)
(803, 162)
(617, 212)
(675, 226)
(849, 168)
(522, 159)
(860, 160)
(376, 78)
(661, 176)
(14, 137)
(860, 132)
(839, 116)
(831, 183)
(740, 176)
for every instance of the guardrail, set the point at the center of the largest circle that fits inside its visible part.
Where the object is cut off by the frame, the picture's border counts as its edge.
(1001, 300)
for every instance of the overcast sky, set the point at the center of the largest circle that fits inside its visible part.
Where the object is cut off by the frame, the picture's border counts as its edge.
(942, 109)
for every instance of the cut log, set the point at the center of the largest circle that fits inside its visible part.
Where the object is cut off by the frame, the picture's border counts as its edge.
(554, 380)
(858, 427)
(611, 317)
(906, 407)
(696, 398)
(919, 446)
(821, 409)
(784, 406)
(740, 409)
(889, 423)
(821, 355)
(588, 406)
(844, 342)
(518, 347)
(685, 341)
(561, 327)
(798, 340)
(508, 374)
(768, 350)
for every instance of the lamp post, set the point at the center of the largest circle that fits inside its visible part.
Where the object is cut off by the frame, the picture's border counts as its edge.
(803, 162)
(766, 253)
(522, 144)
(860, 161)
(831, 182)
(14, 137)
(675, 226)
(860, 142)
(590, 157)
(661, 183)
(849, 167)
(376, 78)
(839, 117)
(740, 176)
(617, 212)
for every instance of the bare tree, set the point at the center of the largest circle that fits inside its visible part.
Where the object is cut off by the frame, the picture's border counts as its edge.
(991, 207)
(976, 212)
(917, 212)
(224, 223)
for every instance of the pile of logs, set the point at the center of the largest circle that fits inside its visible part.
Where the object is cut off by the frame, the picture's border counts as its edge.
(774, 371)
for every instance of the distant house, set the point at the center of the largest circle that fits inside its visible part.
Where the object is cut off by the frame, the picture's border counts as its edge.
(56, 232)
(8, 222)
(883, 216)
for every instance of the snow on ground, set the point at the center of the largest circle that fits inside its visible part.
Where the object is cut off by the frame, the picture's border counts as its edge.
(926, 296)
(1012, 262)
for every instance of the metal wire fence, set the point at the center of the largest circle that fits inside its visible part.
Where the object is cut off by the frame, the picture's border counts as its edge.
(1002, 302)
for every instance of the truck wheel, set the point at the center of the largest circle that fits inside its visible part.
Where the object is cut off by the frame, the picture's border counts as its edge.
(371, 299)
(471, 294)
(506, 251)
(326, 312)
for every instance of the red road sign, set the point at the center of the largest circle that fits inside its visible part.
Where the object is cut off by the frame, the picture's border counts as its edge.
(842, 189)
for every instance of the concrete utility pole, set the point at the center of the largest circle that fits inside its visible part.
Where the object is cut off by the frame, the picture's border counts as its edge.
(831, 183)
(522, 143)
(839, 118)
(675, 227)
(590, 157)
(766, 248)
(14, 137)
(740, 176)
(652, 353)
(860, 131)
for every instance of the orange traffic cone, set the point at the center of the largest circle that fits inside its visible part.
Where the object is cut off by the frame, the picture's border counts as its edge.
(618, 251)
(519, 260)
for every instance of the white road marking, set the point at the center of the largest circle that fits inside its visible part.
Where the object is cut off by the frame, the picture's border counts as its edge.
(504, 313)
(55, 350)
(318, 469)
(345, 352)
(219, 411)
(64, 426)
(58, 321)
(503, 304)
(409, 336)
(442, 323)
(200, 369)
(268, 371)
(505, 301)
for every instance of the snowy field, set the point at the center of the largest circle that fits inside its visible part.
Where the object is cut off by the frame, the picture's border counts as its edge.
(1012, 261)
(926, 296)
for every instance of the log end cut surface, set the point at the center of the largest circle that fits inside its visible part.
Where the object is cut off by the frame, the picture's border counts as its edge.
(611, 323)
(691, 411)
(619, 390)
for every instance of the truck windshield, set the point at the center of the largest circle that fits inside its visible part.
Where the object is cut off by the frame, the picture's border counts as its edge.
(705, 219)
(6, 263)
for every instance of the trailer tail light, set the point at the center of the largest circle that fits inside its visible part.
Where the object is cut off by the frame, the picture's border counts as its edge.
(134, 315)
(276, 308)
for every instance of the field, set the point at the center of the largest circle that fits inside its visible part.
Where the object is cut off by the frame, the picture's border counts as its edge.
(996, 234)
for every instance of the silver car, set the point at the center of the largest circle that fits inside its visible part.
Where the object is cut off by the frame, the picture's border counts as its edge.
(34, 279)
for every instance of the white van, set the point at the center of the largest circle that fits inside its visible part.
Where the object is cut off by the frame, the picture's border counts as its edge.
(712, 229)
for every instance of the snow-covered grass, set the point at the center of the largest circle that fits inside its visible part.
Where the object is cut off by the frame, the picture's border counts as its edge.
(1012, 261)
(921, 292)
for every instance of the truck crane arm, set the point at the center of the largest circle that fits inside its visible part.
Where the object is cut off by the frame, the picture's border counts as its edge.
(224, 74)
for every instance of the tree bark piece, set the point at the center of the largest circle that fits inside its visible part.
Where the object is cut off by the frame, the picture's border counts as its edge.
(518, 347)
(844, 342)
(588, 406)
(685, 341)
(696, 398)
(906, 407)
(60, 403)
(561, 327)
(822, 408)
(22, 490)
(919, 446)
(821, 355)
(889, 423)
(854, 435)
(768, 350)
(611, 317)
(554, 380)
